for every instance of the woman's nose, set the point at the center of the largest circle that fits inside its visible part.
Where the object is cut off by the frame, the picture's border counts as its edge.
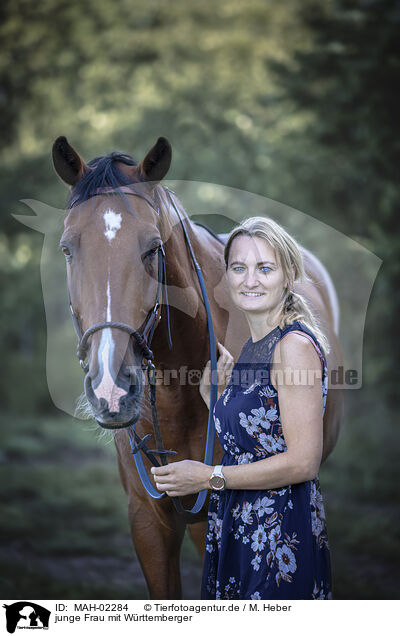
(251, 279)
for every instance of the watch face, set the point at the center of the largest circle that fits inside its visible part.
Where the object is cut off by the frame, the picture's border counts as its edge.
(217, 483)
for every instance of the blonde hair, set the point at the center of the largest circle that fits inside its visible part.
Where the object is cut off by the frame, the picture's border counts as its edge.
(295, 306)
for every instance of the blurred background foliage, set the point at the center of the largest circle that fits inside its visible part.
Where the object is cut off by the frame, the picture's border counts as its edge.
(294, 101)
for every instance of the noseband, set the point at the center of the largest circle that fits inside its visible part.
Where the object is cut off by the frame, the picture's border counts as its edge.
(143, 341)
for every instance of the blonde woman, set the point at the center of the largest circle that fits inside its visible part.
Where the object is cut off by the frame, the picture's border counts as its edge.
(266, 531)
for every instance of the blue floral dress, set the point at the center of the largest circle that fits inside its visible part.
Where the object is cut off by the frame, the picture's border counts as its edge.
(263, 544)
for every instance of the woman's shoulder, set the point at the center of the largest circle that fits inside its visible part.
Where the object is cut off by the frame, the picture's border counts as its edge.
(293, 344)
(298, 343)
(296, 340)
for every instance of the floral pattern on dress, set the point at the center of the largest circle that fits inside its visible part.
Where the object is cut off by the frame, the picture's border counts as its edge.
(274, 541)
(226, 394)
(231, 589)
(260, 532)
(320, 593)
(318, 521)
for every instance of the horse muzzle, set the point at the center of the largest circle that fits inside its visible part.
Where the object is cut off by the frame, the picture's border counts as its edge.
(116, 404)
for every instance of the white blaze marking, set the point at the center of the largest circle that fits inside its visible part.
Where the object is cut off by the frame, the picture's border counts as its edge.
(108, 302)
(113, 222)
(107, 388)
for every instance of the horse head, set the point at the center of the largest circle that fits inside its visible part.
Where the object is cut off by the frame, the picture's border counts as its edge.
(112, 242)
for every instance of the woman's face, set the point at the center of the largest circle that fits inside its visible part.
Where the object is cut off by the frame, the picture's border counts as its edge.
(255, 276)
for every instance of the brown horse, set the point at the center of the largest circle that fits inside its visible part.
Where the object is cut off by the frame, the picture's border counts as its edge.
(110, 242)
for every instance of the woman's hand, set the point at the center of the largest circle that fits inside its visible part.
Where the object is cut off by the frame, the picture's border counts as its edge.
(225, 365)
(186, 477)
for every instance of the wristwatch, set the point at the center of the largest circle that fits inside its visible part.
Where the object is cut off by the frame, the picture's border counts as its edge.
(217, 480)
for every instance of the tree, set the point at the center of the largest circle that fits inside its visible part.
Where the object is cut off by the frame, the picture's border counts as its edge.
(347, 81)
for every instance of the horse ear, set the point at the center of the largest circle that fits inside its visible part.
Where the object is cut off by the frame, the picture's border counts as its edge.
(156, 163)
(69, 166)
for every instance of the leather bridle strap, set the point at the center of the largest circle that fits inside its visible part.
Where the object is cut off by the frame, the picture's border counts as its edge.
(121, 190)
(140, 340)
(138, 444)
(143, 339)
(209, 452)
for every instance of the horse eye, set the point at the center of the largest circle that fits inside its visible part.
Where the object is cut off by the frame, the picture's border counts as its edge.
(66, 251)
(151, 253)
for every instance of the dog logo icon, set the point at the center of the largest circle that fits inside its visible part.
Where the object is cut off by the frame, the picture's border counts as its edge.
(26, 615)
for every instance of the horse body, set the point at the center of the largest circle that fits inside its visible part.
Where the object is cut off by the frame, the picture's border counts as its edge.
(112, 276)
(157, 529)
(321, 297)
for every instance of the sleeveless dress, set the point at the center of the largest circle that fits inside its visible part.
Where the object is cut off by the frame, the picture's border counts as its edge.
(263, 544)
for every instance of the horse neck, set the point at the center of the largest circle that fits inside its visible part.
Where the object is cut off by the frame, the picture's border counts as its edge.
(189, 325)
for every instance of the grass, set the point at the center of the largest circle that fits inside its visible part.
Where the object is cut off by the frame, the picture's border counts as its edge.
(64, 531)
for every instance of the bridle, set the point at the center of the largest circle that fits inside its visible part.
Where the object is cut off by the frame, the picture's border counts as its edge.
(144, 338)
(143, 341)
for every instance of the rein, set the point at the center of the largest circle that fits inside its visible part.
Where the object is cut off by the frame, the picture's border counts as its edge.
(143, 340)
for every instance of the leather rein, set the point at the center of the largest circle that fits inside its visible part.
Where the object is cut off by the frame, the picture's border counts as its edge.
(143, 341)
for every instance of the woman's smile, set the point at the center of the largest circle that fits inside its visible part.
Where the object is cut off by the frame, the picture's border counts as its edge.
(252, 293)
(255, 277)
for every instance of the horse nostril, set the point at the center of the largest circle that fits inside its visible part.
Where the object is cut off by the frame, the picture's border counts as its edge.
(103, 403)
(88, 386)
(126, 371)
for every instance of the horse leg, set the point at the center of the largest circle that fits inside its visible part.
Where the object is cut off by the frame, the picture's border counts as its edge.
(157, 539)
(157, 531)
(197, 533)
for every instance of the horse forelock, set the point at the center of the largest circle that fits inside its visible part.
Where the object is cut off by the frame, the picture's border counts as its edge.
(104, 173)
(113, 171)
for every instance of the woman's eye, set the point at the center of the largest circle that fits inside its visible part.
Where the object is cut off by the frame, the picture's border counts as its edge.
(265, 269)
(238, 268)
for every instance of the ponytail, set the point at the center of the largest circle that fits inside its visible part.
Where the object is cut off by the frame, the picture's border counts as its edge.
(295, 307)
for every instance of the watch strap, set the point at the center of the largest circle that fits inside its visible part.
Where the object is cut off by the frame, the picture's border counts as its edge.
(218, 471)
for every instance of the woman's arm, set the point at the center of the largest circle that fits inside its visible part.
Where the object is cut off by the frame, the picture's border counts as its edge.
(301, 416)
(297, 377)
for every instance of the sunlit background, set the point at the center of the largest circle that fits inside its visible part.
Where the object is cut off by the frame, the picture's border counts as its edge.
(294, 102)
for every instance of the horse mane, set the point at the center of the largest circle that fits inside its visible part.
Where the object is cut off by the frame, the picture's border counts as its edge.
(210, 231)
(104, 173)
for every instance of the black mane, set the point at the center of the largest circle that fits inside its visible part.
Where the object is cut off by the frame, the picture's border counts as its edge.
(105, 173)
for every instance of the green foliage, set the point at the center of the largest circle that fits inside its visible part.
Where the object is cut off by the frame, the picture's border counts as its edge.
(64, 530)
(346, 80)
(294, 101)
